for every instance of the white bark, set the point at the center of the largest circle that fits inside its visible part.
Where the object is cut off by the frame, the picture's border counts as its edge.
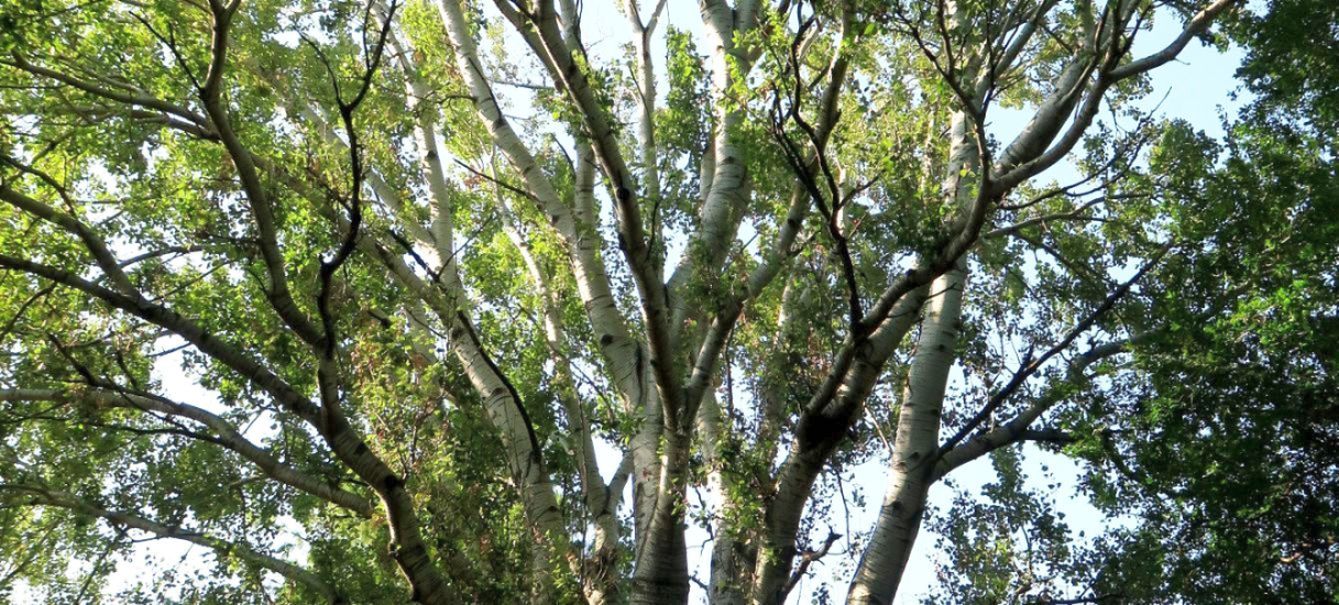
(577, 225)
(595, 494)
(729, 578)
(646, 91)
(915, 446)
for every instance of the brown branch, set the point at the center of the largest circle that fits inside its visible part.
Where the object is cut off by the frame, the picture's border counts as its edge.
(1032, 365)
(277, 292)
(807, 558)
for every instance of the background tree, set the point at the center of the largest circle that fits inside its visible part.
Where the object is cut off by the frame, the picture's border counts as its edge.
(478, 310)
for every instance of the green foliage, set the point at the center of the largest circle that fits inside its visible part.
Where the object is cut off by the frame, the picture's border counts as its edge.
(1228, 445)
(1008, 544)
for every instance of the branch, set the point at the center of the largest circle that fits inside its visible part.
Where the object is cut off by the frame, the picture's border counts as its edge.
(1017, 429)
(772, 263)
(280, 298)
(135, 99)
(554, 335)
(1075, 214)
(328, 375)
(577, 226)
(1024, 160)
(1033, 365)
(223, 548)
(227, 436)
(1194, 27)
(725, 180)
(164, 317)
(547, 41)
(501, 399)
(92, 242)
(645, 82)
(807, 558)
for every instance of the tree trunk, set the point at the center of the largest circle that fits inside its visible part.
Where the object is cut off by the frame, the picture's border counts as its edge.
(917, 439)
(817, 435)
(914, 447)
(661, 576)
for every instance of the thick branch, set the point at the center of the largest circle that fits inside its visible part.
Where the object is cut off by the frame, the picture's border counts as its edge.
(547, 41)
(1194, 27)
(258, 198)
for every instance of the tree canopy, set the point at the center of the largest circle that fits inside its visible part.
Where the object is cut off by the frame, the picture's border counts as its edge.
(375, 301)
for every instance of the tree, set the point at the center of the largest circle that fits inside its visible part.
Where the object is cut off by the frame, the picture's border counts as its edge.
(428, 320)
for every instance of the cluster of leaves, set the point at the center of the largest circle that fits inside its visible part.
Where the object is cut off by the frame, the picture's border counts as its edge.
(1230, 445)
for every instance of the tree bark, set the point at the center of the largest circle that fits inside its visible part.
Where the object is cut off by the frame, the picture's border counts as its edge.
(916, 443)
(817, 435)
(661, 575)
(915, 446)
